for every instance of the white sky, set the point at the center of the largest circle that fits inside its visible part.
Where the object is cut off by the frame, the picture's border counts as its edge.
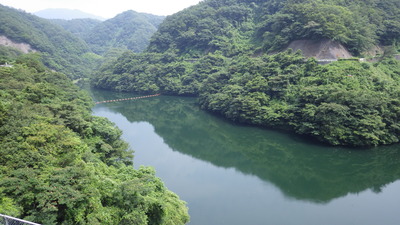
(104, 8)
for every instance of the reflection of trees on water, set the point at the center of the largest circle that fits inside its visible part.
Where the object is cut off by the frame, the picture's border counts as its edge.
(301, 170)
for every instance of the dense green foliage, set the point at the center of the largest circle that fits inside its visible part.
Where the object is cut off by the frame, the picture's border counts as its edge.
(143, 73)
(343, 103)
(237, 26)
(61, 50)
(79, 27)
(128, 30)
(214, 50)
(61, 165)
(227, 26)
(356, 24)
(8, 54)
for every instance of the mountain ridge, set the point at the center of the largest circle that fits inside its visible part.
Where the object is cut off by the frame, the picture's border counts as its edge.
(67, 14)
(129, 30)
(60, 50)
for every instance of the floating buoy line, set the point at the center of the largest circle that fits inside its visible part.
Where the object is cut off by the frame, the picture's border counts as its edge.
(127, 99)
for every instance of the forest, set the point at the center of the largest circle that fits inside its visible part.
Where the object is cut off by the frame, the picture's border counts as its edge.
(76, 47)
(225, 53)
(61, 51)
(129, 30)
(61, 165)
(251, 27)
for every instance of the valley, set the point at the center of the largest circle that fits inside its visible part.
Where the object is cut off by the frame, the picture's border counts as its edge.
(240, 107)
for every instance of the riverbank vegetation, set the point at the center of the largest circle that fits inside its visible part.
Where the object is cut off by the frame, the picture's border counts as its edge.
(264, 153)
(61, 165)
(344, 103)
(226, 52)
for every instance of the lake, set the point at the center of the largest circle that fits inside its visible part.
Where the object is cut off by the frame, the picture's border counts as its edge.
(231, 174)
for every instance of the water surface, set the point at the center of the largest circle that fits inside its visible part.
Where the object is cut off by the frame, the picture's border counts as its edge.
(239, 175)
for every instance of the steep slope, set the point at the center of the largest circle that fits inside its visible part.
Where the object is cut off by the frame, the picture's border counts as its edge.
(234, 26)
(61, 165)
(61, 50)
(128, 30)
(217, 50)
(226, 25)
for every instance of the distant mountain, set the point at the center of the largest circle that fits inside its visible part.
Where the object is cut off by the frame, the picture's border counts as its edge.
(66, 14)
(61, 50)
(128, 30)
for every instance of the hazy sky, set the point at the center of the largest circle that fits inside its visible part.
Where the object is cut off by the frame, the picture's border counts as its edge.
(104, 8)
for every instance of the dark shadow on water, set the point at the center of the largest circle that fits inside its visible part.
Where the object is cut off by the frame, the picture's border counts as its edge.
(301, 168)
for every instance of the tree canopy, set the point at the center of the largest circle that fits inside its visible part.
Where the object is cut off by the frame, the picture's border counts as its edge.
(128, 30)
(61, 50)
(78, 27)
(227, 52)
(237, 26)
(61, 165)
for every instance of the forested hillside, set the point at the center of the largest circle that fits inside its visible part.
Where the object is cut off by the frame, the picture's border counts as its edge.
(226, 52)
(79, 27)
(61, 165)
(128, 30)
(61, 50)
(242, 26)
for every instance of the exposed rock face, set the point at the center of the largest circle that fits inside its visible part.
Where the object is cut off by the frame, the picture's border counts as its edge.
(321, 49)
(25, 48)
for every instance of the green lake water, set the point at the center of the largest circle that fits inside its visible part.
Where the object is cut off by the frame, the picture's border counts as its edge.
(232, 174)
